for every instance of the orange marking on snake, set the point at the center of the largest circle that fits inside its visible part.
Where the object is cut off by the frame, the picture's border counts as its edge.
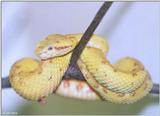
(115, 70)
(120, 95)
(105, 90)
(134, 74)
(71, 37)
(57, 41)
(135, 64)
(12, 76)
(133, 70)
(60, 69)
(42, 100)
(63, 47)
(79, 87)
(50, 61)
(66, 84)
(133, 94)
(17, 67)
(103, 62)
(40, 47)
(22, 72)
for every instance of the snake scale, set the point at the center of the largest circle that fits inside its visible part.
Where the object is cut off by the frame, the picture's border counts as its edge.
(126, 81)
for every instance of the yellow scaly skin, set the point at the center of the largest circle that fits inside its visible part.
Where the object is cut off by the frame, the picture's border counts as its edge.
(117, 97)
(81, 90)
(110, 77)
(122, 86)
(95, 41)
(33, 79)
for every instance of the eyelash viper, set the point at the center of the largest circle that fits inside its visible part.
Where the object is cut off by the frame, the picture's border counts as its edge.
(125, 82)
(33, 79)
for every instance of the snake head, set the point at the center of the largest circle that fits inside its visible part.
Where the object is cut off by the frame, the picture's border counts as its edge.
(54, 46)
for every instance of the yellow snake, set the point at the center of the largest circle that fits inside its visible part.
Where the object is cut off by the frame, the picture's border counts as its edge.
(125, 82)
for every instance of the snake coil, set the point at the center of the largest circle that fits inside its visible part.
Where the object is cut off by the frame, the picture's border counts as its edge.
(126, 81)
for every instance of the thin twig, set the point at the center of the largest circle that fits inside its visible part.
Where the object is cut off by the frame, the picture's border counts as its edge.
(89, 32)
(155, 89)
(6, 84)
(84, 40)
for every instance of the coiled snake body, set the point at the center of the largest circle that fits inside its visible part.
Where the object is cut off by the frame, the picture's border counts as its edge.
(125, 82)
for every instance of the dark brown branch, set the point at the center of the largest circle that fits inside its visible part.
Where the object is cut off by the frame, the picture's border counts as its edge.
(6, 84)
(155, 89)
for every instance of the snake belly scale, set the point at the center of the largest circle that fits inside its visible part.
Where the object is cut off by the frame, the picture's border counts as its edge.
(127, 81)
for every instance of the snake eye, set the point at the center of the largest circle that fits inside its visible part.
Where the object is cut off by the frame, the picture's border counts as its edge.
(50, 48)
